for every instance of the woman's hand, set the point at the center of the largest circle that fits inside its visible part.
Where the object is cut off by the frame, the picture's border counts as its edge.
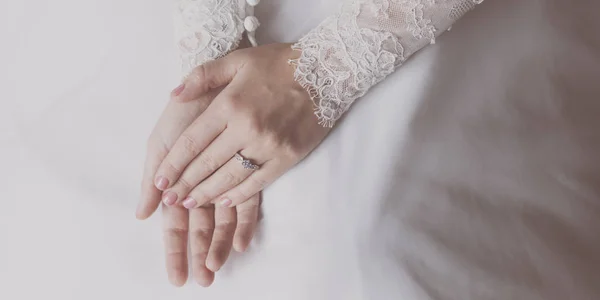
(262, 113)
(211, 231)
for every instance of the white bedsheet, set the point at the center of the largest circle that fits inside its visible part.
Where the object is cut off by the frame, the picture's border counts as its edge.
(477, 171)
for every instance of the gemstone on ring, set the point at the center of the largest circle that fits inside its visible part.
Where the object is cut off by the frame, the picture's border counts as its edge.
(246, 163)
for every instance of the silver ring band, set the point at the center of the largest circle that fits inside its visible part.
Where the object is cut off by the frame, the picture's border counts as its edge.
(246, 163)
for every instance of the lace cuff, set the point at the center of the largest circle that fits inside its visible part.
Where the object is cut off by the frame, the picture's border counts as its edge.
(367, 40)
(209, 29)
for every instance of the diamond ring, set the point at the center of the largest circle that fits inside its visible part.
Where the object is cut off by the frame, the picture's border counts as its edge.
(246, 163)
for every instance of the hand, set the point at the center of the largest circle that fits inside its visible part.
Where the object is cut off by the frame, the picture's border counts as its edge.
(212, 232)
(262, 113)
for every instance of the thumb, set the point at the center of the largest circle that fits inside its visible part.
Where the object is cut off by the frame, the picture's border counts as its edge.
(208, 76)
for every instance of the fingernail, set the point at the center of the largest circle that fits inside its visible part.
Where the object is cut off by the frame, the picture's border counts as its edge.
(225, 202)
(169, 198)
(189, 203)
(161, 183)
(177, 91)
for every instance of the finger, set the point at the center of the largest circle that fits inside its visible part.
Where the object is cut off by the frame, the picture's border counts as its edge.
(220, 247)
(174, 120)
(255, 183)
(176, 241)
(202, 225)
(224, 179)
(247, 219)
(213, 157)
(191, 143)
(210, 75)
(150, 194)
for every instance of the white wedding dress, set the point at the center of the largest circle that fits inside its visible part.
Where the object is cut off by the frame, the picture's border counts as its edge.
(472, 172)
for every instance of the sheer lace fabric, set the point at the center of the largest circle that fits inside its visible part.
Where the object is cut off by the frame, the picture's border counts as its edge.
(351, 51)
(208, 29)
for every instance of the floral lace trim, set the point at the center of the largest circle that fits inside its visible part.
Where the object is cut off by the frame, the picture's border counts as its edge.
(366, 41)
(208, 29)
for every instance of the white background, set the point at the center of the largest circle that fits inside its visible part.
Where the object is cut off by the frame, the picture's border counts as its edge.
(69, 176)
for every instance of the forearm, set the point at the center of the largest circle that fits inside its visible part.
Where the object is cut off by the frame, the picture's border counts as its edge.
(367, 40)
(210, 29)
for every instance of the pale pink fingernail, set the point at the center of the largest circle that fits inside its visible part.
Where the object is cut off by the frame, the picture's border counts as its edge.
(169, 198)
(177, 91)
(225, 202)
(189, 203)
(161, 183)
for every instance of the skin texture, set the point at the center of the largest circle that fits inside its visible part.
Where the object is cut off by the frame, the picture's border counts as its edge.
(249, 103)
(211, 232)
(261, 113)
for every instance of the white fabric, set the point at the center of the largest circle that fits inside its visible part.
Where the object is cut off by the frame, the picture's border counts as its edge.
(471, 173)
(359, 46)
(209, 29)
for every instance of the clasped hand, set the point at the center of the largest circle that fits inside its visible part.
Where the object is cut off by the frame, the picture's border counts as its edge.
(246, 103)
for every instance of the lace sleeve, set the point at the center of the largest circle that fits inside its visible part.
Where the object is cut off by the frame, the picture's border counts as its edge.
(348, 53)
(209, 29)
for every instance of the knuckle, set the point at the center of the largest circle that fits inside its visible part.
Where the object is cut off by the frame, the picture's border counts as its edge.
(253, 125)
(175, 237)
(198, 74)
(184, 184)
(292, 151)
(156, 145)
(247, 206)
(225, 225)
(230, 105)
(170, 168)
(258, 184)
(272, 141)
(208, 163)
(200, 196)
(251, 131)
(189, 145)
(229, 178)
(201, 234)
(239, 195)
(176, 232)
